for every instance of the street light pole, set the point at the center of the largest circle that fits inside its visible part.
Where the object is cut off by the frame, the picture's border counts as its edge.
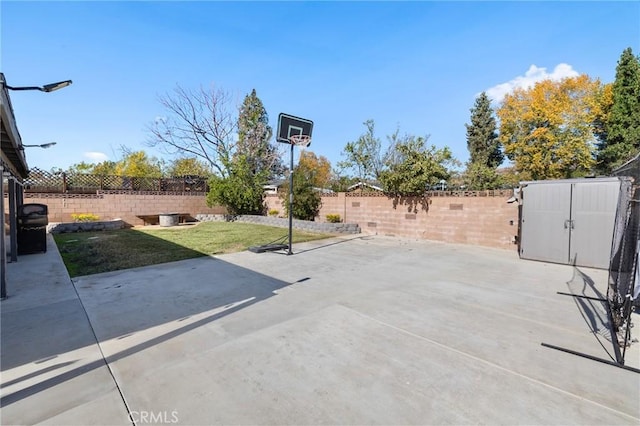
(46, 88)
(43, 145)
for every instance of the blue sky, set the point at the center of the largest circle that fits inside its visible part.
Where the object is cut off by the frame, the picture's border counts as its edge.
(416, 65)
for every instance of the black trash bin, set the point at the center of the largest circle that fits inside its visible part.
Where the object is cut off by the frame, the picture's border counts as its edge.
(32, 228)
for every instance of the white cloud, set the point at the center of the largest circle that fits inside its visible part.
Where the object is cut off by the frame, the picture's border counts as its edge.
(533, 75)
(95, 156)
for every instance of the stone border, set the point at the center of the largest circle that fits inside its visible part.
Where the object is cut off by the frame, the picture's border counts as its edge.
(66, 227)
(305, 225)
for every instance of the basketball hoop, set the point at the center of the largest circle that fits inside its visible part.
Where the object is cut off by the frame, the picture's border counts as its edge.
(294, 131)
(301, 141)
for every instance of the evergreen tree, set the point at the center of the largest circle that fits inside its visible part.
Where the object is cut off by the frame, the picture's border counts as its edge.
(623, 123)
(254, 135)
(482, 138)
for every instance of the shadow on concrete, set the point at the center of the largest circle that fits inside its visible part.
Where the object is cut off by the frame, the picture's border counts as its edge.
(121, 304)
(323, 246)
(594, 312)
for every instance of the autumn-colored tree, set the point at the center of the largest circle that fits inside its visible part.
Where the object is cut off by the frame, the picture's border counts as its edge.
(547, 130)
(603, 104)
(132, 164)
(188, 167)
(82, 167)
(104, 168)
(318, 166)
(138, 164)
(622, 123)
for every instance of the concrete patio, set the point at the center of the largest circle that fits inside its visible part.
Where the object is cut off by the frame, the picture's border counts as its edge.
(353, 330)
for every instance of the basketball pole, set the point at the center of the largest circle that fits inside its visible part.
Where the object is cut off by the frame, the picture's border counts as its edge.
(291, 203)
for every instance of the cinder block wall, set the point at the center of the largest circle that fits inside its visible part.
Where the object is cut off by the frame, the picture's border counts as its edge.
(126, 205)
(483, 220)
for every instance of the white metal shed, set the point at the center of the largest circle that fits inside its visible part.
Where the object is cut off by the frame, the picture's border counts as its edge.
(570, 221)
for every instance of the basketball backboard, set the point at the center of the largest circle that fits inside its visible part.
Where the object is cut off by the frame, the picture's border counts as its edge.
(288, 126)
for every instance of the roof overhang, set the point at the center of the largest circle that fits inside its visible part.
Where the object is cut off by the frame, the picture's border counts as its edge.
(12, 156)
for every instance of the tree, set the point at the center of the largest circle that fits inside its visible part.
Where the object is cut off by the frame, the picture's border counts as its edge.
(240, 191)
(306, 198)
(482, 139)
(622, 124)
(414, 167)
(547, 130)
(479, 176)
(82, 168)
(484, 147)
(338, 182)
(188, 167)
(105, 168)
(138, 164)
(604, 103)
(200, 124)
(364, 155)
(254, 137)
(132, 164)
(249, 164)
(318, 166)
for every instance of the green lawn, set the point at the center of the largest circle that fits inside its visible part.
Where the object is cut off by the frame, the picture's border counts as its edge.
(87, 253)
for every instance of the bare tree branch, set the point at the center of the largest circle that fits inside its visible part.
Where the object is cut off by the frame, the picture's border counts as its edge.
(198, 123)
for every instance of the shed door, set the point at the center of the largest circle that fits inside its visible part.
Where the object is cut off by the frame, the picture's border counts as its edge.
(546, 230)
(593, 214)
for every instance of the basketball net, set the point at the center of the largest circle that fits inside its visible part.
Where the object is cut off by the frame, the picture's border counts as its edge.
(301, 141)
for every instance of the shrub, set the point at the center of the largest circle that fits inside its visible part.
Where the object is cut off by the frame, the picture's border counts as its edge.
(241, 192)
(333, 218)
(84, 217)
(306, 199)
(273, 212)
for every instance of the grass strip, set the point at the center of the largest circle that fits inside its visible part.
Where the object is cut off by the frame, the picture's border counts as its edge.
(86, 253)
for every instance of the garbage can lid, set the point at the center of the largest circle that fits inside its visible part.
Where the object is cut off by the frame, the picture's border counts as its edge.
(27, 209)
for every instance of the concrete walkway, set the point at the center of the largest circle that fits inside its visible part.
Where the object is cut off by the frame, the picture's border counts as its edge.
(53, 370)
(355, 330)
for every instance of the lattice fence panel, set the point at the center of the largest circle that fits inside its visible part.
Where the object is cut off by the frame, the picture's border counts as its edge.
(78, 183)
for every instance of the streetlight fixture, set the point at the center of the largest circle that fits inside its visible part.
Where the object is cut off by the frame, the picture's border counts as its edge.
(43, 145)
(46, 88)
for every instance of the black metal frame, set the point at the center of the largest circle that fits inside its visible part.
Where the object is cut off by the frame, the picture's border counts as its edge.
(619, 362)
